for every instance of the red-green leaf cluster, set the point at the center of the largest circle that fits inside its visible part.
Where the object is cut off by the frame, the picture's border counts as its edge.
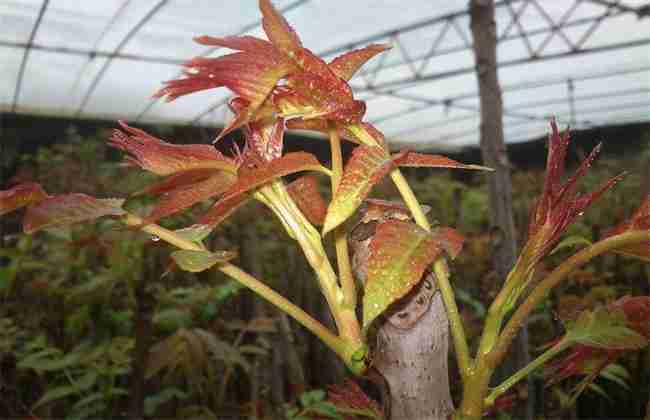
(603, 335)
(419, 160)
(278, 78)
(640, 220)
(350, 399)
(559, 204)
(251, 178)
(20, 196)
(192, 180)
(162, 158)
(276, 82)
(195, 172)
(399, 254)
(45, 211)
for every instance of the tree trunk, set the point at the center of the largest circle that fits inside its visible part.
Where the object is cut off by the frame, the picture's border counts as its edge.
(494, 153)
(412, 356)
(412, 342)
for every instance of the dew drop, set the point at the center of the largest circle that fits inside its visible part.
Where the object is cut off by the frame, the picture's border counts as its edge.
(581, 213)
(155, 238)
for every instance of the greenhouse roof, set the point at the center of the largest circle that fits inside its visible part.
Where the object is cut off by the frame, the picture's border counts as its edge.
(585, 61)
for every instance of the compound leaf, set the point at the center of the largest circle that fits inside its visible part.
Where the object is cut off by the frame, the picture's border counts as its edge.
(197, 261)
(67, 209)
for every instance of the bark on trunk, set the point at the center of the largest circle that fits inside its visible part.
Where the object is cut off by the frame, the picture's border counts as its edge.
(412, 339)
(413, 360)
(494, 154)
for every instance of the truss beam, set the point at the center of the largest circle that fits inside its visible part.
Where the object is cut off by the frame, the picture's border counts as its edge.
(28, 48)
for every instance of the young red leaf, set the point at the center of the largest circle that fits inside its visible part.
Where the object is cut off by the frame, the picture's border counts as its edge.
(316, 81)
(363, 133)
(582, 360)
(197, 261)
(349, 397)
(278, 30)
(450, 240)
(186, 196)
(637, 313)
(412, 159)
(367, 134)
(345, 65)
(164, 158)
(502, 403)
(222, 209)
(265, 136)
(251, 74)
(307, 196)
(640, 220)
(312, 88)
(287, 164)
(559, 204)
(20, 196)
(320, 125)
(250, 179)
(176, 181)
(239, 43)
(291, 103)
(327, 96)
(68, 209)
(367, 166)
(399, 254)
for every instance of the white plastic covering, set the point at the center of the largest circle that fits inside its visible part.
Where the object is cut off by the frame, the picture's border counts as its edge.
(104, 58)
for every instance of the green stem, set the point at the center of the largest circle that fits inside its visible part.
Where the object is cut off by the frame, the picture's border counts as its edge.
(337, 344)
(410, 199)
(442, 278)
(340, 240)
(278, 199)
(497, 312)
(525, 371)
(558, 275)
(441, 271)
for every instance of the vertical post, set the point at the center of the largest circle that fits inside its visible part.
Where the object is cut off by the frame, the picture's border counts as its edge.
(572, 102)
(144, 307)
(494, 154)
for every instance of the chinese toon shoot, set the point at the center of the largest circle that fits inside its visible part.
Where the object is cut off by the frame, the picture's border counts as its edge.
(279, 84)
